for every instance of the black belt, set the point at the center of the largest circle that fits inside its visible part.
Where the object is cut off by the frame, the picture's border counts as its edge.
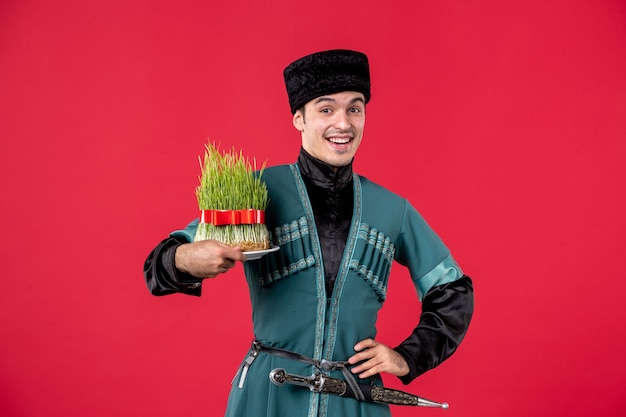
(322, 365)
(326, 385)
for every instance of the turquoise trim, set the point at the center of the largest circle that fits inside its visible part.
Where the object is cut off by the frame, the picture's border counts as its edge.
(290, 232)
(344, 267)
(377, 284)
(377, 239)
(290, 237)
(319, 278)
(292, 268)
(374, 257)
(445, 272)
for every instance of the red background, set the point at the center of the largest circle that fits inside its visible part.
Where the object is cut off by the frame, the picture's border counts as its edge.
(503, 122)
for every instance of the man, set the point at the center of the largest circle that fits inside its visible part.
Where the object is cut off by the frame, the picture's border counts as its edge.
(315, 301)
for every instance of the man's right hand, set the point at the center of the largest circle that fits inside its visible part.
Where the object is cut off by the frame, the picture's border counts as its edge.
(207, 258)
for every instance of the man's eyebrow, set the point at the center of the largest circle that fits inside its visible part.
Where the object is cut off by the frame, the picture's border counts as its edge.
(354, 100)
(332, 100)
(323, 99)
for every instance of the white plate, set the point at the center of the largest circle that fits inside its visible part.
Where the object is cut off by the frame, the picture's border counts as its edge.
(257, 254)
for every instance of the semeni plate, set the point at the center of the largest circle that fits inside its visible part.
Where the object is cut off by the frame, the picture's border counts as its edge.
(257, 254)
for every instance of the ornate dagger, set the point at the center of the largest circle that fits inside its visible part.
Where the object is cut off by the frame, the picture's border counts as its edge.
(327, 385)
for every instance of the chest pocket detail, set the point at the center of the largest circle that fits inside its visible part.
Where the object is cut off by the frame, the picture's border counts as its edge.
(295, 254)
(372, 258)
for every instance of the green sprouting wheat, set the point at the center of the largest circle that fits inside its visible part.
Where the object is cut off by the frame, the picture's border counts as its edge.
(229, 181)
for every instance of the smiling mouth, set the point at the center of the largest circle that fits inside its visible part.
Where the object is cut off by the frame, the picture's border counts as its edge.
(339, 141)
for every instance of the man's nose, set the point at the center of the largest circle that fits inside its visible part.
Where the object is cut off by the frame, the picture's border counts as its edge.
(342, 121)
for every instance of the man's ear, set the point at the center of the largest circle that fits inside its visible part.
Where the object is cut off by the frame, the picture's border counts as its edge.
(298, 120)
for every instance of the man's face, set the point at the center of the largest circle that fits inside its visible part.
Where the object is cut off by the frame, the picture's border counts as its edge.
(332, 126)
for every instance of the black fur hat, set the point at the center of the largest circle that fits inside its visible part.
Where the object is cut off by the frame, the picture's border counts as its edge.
(326, 72)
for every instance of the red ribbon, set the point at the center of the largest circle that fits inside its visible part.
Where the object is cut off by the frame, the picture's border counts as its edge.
(226, 217)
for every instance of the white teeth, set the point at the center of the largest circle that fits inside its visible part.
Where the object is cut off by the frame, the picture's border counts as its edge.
(339, 140)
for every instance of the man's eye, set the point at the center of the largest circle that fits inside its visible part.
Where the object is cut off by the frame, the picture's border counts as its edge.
(325, 110)
(355, 110)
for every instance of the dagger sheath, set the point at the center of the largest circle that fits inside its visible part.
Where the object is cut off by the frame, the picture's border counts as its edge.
(373, 393)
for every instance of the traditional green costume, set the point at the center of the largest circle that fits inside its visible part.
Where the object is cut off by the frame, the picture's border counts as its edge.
(291, 310)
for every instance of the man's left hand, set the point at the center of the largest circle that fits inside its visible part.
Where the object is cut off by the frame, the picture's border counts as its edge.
(376, 357)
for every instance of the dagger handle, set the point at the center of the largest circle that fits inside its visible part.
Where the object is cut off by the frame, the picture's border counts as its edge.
(280, 377)
(316, 383)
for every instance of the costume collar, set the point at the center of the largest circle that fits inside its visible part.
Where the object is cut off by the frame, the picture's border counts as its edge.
(323, 174)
